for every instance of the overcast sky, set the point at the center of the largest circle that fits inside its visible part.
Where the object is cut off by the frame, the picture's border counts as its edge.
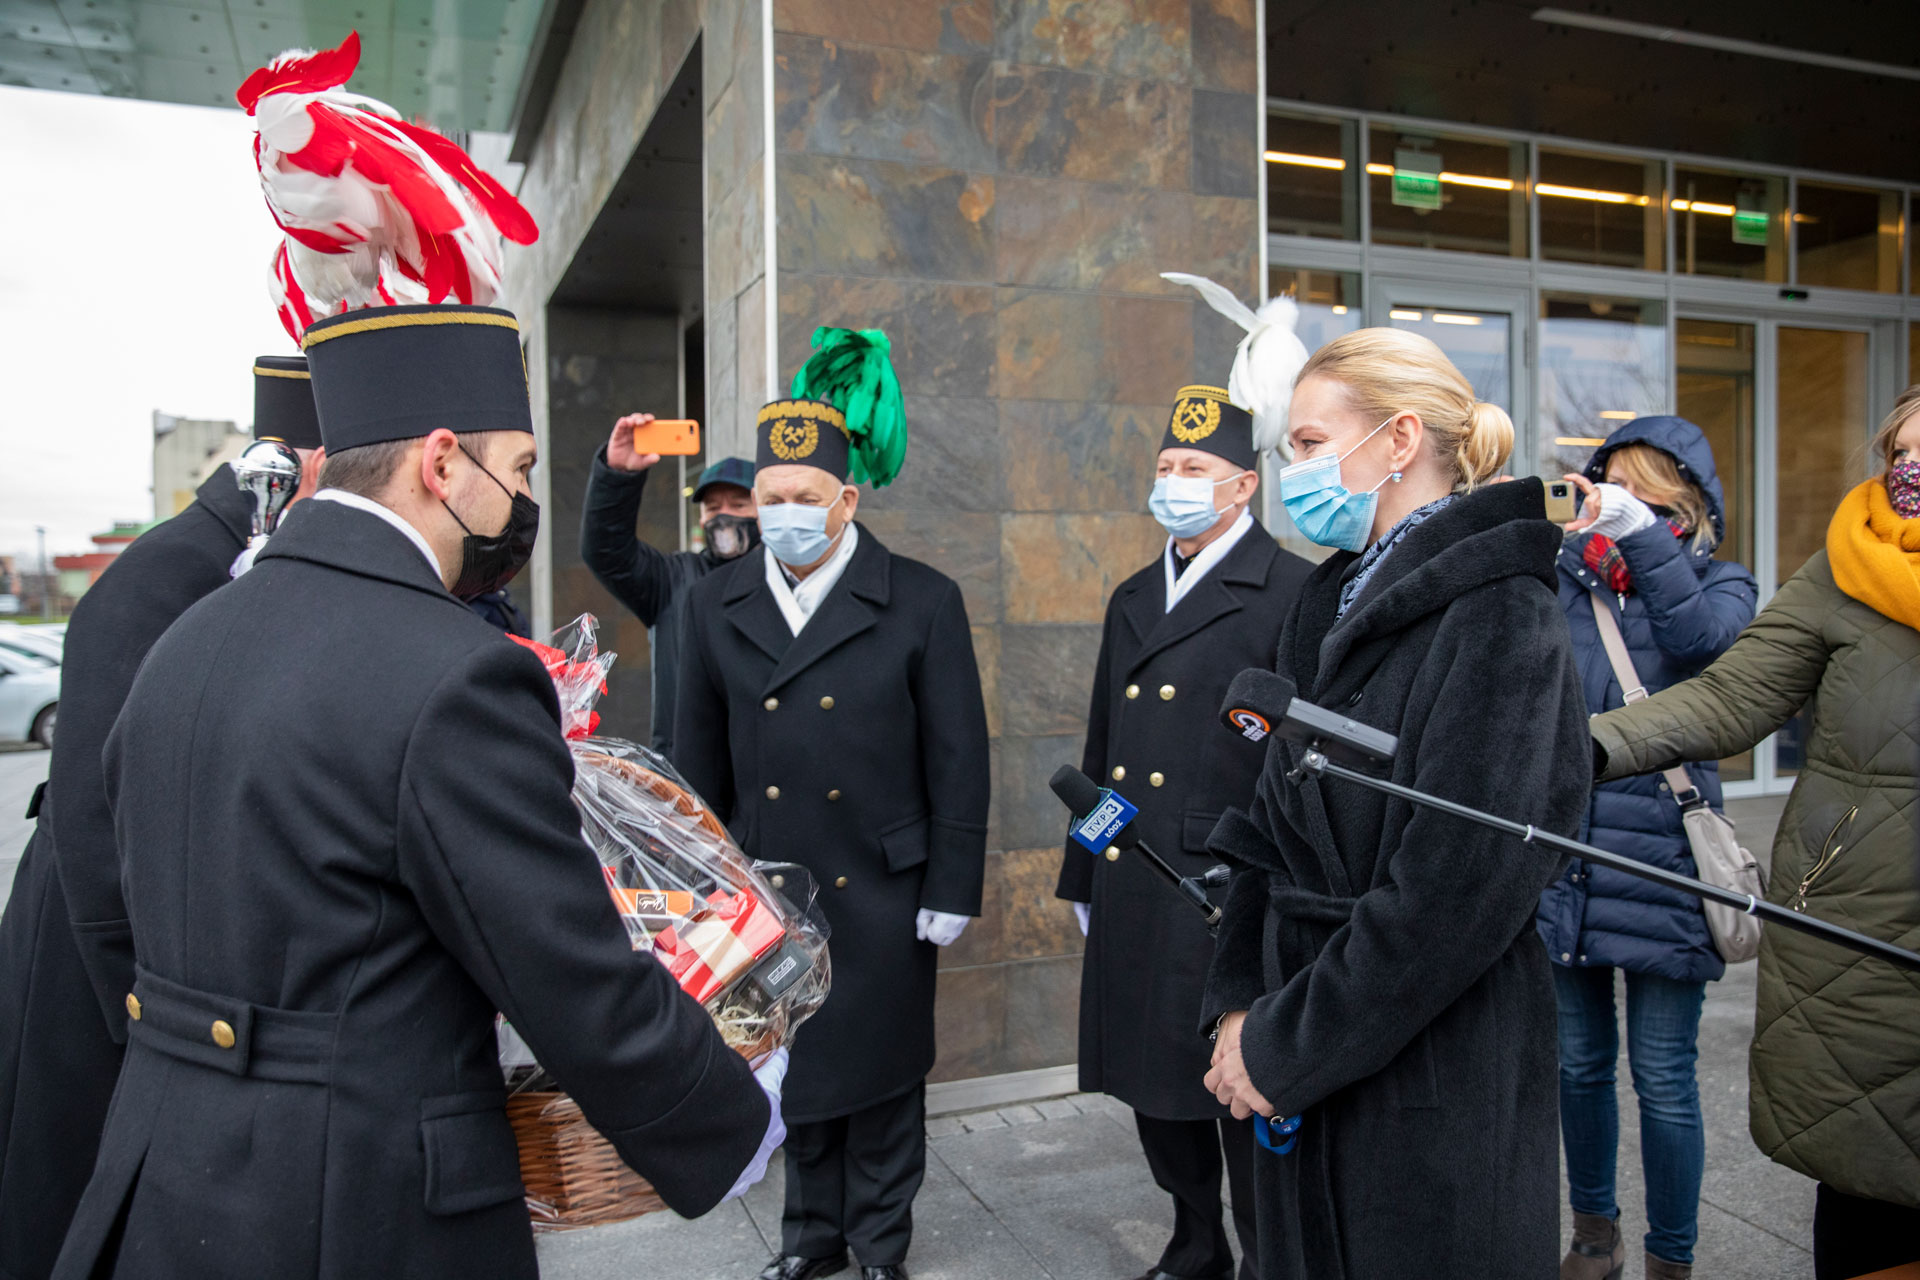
(133, 276)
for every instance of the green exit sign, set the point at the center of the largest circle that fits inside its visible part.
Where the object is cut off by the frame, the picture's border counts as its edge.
(1750, 226)
(1416, 179)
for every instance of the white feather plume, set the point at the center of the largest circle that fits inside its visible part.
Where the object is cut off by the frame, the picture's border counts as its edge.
(1267, 361)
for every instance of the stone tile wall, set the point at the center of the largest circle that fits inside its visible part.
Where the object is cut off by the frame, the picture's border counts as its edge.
(997, 184)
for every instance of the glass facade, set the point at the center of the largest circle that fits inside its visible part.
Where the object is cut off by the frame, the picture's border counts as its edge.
(1603, 362)
(1602, 210)
(1444, 191)
(1581, 286)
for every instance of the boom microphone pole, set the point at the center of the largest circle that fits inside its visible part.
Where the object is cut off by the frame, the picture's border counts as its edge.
(1260, 703)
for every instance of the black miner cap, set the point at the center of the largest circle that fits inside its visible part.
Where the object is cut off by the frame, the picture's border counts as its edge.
(397, 373)
(283, 402)
(808, 433)
(1203, 418)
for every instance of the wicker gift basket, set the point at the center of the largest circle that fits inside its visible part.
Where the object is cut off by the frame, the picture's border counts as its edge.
(742, 939)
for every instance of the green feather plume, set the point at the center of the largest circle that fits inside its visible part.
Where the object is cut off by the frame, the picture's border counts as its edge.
(849, 369)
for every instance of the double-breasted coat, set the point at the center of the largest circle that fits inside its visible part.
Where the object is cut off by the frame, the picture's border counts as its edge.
(1154, 735)
(1397, 992)
(343, 808)
(857, 749)
(65, 944)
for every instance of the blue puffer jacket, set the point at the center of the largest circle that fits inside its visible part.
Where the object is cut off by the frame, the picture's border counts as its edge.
(1684, 609)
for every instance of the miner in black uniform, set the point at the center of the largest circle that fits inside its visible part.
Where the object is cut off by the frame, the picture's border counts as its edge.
(343, 807)
(830, 711)
(1176, 633)
(651, 582)
(65, 944)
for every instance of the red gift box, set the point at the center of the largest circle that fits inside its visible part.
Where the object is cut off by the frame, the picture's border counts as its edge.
(708, 955)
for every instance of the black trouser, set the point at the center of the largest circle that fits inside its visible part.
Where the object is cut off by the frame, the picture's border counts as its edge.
(1856, 1237)
(1186, 1158)
(851, 1181)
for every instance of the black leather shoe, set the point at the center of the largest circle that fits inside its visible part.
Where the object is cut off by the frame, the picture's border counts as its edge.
(894, 1271)
(792, 1267)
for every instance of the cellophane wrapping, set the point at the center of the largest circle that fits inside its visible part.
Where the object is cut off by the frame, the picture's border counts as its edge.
(743, 939)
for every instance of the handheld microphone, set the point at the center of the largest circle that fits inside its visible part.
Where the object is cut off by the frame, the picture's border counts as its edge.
(1103, 823)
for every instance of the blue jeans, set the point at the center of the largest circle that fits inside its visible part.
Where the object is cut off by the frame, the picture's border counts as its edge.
(1663, 1026)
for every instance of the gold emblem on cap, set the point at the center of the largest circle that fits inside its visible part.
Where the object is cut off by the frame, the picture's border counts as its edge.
(792, 439)
(1195, 418)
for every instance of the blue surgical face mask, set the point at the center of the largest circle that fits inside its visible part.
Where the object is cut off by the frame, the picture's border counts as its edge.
(1320, 505)
(795, 533)
(1184, 504)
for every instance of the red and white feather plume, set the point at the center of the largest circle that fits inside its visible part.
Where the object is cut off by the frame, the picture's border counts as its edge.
(376, 210)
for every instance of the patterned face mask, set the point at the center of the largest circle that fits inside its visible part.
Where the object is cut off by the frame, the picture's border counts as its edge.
(1903, 488)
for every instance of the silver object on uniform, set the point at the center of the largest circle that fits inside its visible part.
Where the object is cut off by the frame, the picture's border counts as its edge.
(268, 472)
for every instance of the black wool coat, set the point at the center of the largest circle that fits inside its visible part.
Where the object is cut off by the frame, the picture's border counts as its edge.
(651, 582)
(343, 805)
(859, 750)
(1398, 993)
(66, 948)
(1154, 735)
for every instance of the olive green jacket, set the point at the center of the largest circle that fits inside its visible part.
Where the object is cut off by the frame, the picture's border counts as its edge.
(1835, 1064)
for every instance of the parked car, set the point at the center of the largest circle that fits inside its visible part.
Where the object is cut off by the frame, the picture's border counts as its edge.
(29, 697)
(45, 642)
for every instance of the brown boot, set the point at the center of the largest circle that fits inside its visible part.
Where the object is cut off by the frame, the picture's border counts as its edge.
(1661, 1269)
(1598, 1253)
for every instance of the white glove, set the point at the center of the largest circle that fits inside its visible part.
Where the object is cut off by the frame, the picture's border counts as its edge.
(244, 561)
(941, 928)
(1620, 513)
(771, 1074)
(1083, 911)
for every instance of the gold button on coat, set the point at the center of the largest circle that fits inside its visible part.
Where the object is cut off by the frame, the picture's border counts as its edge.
(779, 882)
(1113, 854)
(223, 1033)
(1166, 693)
(834, 794)
(1119, 773)
(771, 704)
(826, 703)
(1133, 691)
(1156, 777)
(133, 1006)
(773, 793)
(841, 883)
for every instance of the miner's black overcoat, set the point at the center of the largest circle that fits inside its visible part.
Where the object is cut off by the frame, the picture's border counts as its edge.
(1154, 735)
(343, 807)
(65, 945)
(858, 749)
(1399, 993)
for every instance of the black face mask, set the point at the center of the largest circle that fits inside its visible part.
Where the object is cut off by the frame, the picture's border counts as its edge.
(729, 536)
(489, 562)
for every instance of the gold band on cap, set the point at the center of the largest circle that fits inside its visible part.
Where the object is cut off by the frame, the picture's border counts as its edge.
(1203, 392)
(262, 371)
(315, 337)
(817, 410)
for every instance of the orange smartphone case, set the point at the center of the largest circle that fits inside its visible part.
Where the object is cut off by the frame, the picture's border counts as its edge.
(669, 437)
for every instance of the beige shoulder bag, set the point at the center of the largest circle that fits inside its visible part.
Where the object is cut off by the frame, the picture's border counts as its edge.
(1717, 854)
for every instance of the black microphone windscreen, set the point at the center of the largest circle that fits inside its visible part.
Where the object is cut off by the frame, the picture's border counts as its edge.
(1256, 703)
(1076, 790)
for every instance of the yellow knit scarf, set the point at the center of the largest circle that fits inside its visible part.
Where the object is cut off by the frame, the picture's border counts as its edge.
(1875, 554)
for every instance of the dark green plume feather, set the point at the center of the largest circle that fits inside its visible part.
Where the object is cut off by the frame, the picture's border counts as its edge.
(849, 369)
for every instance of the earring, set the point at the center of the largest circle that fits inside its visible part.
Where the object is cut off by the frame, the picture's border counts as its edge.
(1398, 477)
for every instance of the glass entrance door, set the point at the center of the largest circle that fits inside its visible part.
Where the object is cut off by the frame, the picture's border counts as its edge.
(1482, 330)
(1787, 407)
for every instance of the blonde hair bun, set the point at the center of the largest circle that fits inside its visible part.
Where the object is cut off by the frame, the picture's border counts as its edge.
(1389, 371)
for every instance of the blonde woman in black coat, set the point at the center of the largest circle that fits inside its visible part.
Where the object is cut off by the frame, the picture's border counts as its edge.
(1378, 972)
